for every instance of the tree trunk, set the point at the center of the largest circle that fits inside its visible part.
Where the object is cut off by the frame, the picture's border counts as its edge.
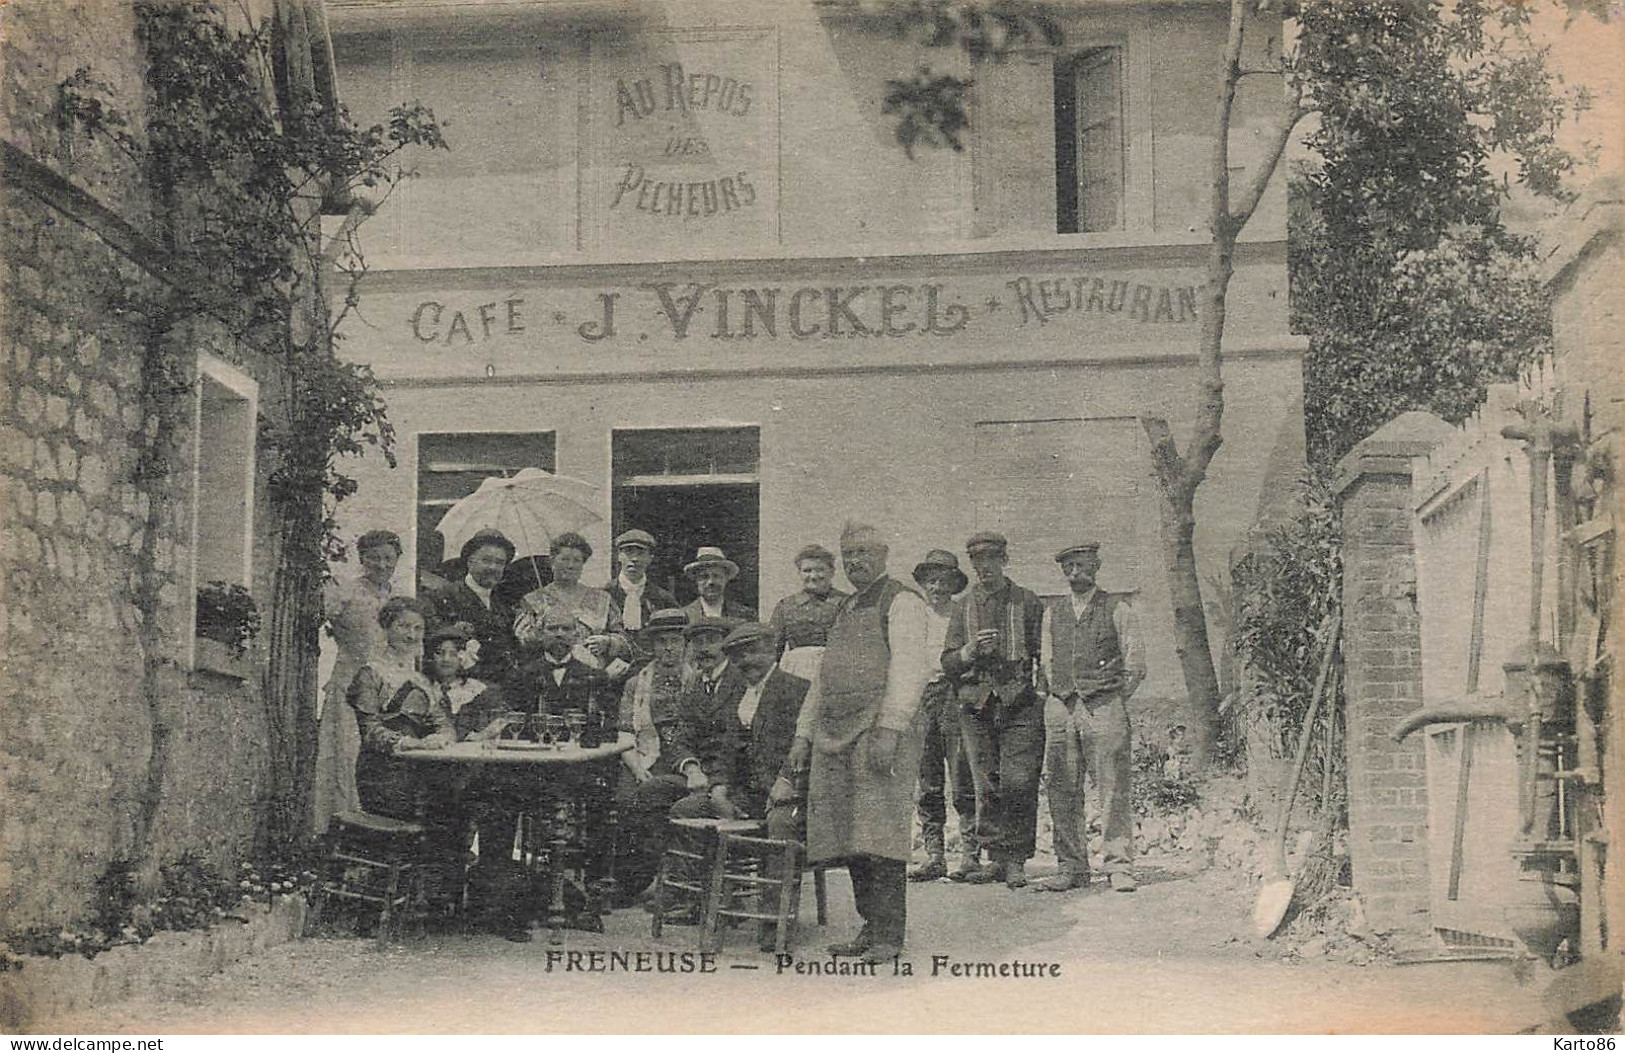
(291, 688)
(1190, 624)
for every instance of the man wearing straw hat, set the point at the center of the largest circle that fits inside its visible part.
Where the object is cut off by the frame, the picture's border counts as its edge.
(859, 733)
(711, 571)
(1093, 662)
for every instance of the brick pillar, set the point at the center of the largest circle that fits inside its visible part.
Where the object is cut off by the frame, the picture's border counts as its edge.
(1382, 660)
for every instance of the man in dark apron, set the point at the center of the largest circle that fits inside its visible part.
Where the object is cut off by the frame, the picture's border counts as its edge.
(861, 734)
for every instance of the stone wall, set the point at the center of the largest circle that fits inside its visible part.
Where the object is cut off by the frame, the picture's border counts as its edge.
(79, 529)
(1387, 786)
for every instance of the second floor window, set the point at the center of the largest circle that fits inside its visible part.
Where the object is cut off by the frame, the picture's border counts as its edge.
(1089, 141)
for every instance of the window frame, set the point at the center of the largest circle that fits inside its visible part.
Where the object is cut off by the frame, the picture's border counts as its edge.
(246, 389)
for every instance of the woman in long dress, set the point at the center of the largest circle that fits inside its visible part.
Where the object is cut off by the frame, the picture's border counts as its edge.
(351, 608)
(601, 639)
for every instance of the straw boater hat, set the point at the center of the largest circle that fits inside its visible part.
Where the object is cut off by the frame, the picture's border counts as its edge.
(670, 620)
(701, 626)
(939, 561)
(711, 556)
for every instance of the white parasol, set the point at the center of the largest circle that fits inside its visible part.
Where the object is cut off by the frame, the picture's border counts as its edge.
(530, 508)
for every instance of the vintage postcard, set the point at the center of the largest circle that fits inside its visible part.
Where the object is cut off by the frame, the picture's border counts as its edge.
(822, 516)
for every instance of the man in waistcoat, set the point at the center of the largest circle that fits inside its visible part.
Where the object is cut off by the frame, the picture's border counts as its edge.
(991, 652)
(860, 735)
(1093, 662)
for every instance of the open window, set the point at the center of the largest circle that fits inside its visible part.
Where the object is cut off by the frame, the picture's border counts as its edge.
(1089, 141)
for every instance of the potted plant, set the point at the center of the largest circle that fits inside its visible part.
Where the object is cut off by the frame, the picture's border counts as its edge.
(227, 621)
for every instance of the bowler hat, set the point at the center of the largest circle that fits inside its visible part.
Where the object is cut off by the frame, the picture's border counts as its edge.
(636, 537)
(747, 634)
(672, 619)
(487, 536)
(700, 626)
(1081, 546)
(941, 561)
(985, 539)
(711, 556)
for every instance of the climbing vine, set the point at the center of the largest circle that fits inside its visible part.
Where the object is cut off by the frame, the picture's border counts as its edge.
(243, 155)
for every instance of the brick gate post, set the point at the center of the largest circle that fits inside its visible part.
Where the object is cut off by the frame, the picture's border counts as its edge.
(1382, 655)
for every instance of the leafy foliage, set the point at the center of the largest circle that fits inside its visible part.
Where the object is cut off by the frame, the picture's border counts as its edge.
(1413, 292)
(930, 110)
(244, 180)
(227, 614)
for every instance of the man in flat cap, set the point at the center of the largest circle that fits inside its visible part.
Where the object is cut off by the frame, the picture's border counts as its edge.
(944, 767)
(711, 571)
(634, 594)
(860, 734)
(1093, 663)
(991, 652)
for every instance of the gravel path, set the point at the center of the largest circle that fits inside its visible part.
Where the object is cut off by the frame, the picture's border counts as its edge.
(1169, 958)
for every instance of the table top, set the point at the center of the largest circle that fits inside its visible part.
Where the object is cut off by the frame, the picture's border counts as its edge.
(481, 752)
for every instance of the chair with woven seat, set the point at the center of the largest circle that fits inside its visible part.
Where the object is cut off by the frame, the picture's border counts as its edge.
(754, 879)
(376, 860)
(684, 876)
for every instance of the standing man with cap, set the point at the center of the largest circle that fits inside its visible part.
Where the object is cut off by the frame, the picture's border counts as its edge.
(859, 731)
(992, 652)
(711, 571)
(1093, 663)
(944, 767)
(634, 594)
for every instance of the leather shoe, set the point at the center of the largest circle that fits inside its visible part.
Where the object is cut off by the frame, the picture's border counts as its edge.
(881, 952)
(1122, 881)
(986, 874)
(1015, 874)
(1061, 881)
(930, 870)
(968, 865)
(859, 944)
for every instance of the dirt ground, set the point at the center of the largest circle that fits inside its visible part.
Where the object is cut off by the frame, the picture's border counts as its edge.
(1170, 958)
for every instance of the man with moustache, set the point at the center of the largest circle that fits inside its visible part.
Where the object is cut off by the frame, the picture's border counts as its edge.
(473, 606)
(556, 680)
(991, 651)
(711, 571)
(859, 735)
(1093, 663)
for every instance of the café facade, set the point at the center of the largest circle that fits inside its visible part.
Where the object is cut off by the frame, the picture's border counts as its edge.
(677, 251)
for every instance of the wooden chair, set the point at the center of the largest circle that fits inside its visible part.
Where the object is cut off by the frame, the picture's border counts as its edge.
(753, 879)
(375, 860)
(684, 876)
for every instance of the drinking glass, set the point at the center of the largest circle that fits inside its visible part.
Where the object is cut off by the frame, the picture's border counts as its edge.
(556, 728)
(577, 721)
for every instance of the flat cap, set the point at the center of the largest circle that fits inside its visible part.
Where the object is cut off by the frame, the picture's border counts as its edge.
(985, 539)
(672, 619)
(1081, 546)
(747, 634)
(700, 626)
(636, 537)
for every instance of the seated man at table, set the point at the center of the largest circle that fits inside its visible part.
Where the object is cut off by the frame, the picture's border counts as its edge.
(734, 740)
(642, 831)
(554, 680)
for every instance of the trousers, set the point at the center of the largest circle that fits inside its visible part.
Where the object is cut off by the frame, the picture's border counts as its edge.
(880, 890)
(1006, 746)
(945, 773)
(1086, 739)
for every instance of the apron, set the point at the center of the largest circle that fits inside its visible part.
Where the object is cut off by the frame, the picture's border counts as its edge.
(852, 809)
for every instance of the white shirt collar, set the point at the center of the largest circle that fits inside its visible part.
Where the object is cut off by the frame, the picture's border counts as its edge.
(710, 611)
(1080, 602)
(752, 699)
(483, 594)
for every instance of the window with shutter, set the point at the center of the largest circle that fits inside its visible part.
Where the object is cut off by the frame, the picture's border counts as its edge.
(1089, 141)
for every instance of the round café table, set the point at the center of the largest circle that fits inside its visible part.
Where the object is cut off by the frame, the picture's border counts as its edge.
(571, 786)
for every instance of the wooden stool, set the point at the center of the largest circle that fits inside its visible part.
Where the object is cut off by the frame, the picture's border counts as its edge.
(372, 859)
(752, 879)
(684, 876)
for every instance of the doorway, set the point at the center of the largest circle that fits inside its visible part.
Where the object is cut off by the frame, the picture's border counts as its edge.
(691, 487)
